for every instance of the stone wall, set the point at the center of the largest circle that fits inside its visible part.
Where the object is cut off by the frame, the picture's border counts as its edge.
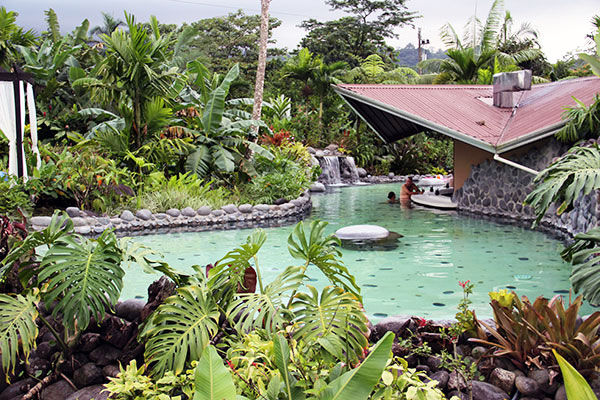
(498, 190)
(205, 218)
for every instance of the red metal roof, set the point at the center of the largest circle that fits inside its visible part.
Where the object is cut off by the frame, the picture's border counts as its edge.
(468, 110)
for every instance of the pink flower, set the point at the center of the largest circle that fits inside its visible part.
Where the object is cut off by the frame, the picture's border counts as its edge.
(463, 284)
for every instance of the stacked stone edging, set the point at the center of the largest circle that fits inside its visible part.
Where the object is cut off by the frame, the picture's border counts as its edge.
(143, 221)
(498, 190)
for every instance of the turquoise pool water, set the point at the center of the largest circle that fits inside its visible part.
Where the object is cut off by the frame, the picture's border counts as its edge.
(420, 276)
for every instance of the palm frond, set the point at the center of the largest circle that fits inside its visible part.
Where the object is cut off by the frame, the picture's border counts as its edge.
(585, 257)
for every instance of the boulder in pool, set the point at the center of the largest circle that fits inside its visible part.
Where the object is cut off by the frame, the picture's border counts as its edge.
(362, 232)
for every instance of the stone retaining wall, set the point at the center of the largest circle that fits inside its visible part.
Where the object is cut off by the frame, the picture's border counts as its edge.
(205, 218)
(498, 190)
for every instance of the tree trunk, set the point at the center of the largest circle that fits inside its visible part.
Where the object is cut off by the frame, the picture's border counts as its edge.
(262, 61)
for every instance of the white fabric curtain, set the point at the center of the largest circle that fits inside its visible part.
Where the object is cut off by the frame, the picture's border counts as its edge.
(33, 124)
(22, 149)
(8, 123)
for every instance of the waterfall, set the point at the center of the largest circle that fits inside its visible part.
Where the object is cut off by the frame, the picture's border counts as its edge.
(330, 165)
(349, 170)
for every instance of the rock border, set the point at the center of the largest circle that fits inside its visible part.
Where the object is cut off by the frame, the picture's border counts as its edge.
(142, 222)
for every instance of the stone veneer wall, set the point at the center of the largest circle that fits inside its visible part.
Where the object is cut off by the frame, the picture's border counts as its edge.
(173, 220)
(498, 190)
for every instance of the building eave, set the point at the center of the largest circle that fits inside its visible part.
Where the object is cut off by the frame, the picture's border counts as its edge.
(343, 93)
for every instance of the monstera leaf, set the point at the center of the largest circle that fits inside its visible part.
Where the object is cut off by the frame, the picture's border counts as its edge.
(583, 253)
(266, 310)
(180, 329)
(84, 276)
(334, 320)
(18, 328)
(320, 250)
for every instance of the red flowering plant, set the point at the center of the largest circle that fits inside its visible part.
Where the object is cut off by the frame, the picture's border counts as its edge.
(278, 139)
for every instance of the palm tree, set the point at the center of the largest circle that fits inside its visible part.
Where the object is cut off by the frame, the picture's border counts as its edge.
(135, 71)
(11, 36)
(262, 59)
(481, 45)
(109, 25)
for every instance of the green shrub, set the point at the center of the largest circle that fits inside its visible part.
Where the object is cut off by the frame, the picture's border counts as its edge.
(13, 198)
(184, 190)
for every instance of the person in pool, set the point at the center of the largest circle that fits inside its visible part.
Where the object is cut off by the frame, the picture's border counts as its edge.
(392, 198)
(408, 189)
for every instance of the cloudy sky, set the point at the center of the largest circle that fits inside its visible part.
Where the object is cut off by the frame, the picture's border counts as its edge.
(562, 24)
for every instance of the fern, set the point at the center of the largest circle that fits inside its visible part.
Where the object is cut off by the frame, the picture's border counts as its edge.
(180, 329)
(334, 320)
(266, 310)
(17, 327)
(84, 276)
(319, 250)
(576, 173)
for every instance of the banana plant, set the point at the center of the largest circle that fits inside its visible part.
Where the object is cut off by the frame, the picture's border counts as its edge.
(212, 379)
(220, 134)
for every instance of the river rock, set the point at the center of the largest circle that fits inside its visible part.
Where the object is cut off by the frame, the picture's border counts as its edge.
(173, 212)
(317, 187)
(95, 392)
(542, 377)
(456, 381)
(362, 173)
(527, 386)
(88, 342)
(83, 230)
(144, 214)
(158, 291)
(398, 324)
(87, 375)
(263, 208)
(188, 212)
(478, 351)
(561, 393)
(433, 362)
(104, 355)
(78, 221)
(127, 216)
(17, 389)
(486, 391)
(204, 210)
(503, 379)
(57, 391)
(73, 212)
(319, 153)
(245, 208)
(441, 377)
(40, 221)
(130, 309)
(217, 213)
(116, 331)
(230, 208)
(111, 370)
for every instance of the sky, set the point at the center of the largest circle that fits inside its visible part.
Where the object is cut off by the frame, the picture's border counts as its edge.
(562, 25)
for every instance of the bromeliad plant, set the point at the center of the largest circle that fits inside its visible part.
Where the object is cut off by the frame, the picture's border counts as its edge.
(527, 332)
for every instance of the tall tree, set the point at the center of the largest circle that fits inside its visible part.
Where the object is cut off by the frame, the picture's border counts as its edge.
(353, 38)
(222, 42)
(11, 36)
(262, 59)
(109, 25)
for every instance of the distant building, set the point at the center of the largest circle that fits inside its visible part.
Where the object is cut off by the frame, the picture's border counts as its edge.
(502, 134)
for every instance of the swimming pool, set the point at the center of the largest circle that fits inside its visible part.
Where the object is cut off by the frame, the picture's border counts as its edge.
(420, 276)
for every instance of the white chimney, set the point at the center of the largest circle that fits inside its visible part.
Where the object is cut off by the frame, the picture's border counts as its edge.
(506, 83)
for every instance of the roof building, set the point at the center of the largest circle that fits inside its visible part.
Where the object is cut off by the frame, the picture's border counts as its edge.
(489, 124)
